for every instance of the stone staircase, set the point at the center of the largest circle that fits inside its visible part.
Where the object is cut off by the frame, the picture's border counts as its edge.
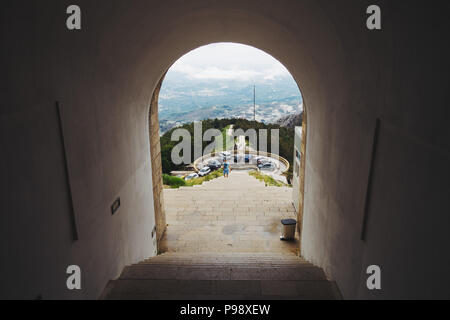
(222, 277)
(238, 214)
(222, 242)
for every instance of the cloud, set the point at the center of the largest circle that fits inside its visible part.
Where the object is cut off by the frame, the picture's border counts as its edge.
(217, 73)
(229, 61)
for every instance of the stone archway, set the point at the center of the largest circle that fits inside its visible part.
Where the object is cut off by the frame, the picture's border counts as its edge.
(156, 163)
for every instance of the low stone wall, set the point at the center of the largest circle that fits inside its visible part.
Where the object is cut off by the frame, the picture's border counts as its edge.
(258, 153)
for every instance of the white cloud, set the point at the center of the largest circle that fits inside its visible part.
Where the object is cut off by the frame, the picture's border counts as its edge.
(229, 61)
(216, 73)
(286, 108)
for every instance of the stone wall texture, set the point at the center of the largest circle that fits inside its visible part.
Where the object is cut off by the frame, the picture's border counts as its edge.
(302, 175)
(155, 154)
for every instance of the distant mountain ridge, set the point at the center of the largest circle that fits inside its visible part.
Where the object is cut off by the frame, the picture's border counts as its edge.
(290, 121)
(183, 100)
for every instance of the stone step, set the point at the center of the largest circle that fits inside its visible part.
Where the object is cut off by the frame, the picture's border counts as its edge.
(222, 282)
(216, 272)
(230, 265)
(225, 261)
(211, 189)
(231, 192)
(226, 256)
(261, 264)
(242, 199)
(171, 289)
(260, 206)
(245, 184)
(242, 203)
(227, 196)
(245, 257)
(224, 276)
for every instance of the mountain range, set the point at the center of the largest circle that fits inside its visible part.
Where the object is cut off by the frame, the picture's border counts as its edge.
(183, 99)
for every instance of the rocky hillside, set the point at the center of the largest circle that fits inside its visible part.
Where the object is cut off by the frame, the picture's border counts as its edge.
(290, 121)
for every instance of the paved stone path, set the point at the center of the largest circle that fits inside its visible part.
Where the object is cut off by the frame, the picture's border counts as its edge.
(238, 214)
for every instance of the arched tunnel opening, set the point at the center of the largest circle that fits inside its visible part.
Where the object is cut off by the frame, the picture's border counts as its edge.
(78, 178)
(218, 217)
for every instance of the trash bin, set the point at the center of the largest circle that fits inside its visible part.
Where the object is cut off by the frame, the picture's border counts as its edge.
(288, 231)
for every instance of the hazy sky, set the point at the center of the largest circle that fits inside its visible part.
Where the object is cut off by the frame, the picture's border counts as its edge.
(229, 61)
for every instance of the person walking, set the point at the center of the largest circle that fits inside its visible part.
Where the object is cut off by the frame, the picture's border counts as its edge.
(226, 168)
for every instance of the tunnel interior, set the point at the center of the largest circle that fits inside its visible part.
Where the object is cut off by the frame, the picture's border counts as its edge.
(75, 136)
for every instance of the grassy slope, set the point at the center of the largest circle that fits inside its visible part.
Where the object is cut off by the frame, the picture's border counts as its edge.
(268, 180)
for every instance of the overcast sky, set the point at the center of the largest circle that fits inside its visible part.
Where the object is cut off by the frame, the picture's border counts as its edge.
(229, 61)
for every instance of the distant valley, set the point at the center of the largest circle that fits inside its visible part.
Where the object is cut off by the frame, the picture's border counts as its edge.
(184, 100)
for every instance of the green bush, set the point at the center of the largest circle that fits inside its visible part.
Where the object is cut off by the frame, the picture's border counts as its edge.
(268, 180)
(173, 182)
(200, 180)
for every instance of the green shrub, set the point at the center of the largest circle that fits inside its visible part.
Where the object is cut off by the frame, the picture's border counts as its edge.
(195, 181)
(200, 180)
(173, 182)
(268, 180)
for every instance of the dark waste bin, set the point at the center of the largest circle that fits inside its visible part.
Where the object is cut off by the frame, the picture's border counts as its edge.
(288, 230)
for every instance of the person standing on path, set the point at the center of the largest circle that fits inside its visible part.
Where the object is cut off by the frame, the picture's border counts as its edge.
(226, 169)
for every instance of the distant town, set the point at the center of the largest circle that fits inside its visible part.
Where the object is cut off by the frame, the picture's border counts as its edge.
(181, 101)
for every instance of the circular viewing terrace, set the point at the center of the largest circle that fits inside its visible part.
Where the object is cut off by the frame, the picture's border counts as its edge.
(240, 160)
